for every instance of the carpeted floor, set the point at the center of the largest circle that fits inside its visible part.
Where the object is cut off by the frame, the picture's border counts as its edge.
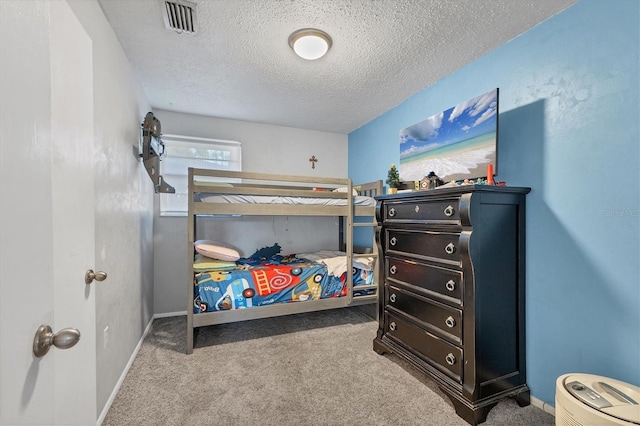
(307, 369)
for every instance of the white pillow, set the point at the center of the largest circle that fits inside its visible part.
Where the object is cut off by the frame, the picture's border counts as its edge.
(345, 189)
(216, 250)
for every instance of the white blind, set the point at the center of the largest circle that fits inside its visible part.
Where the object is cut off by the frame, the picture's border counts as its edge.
(182, 152)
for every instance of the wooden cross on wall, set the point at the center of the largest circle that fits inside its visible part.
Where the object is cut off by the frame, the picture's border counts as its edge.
(313, 160)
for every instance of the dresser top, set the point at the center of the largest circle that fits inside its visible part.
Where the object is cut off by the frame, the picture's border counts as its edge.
(455, 190)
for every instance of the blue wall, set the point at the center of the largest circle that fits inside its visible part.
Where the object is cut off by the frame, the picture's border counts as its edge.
(569, 129)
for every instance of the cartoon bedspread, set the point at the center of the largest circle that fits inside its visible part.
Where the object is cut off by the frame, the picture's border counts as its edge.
(277, 279)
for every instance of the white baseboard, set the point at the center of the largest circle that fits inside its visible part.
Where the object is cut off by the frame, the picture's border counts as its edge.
(114, 393)
(543, 406)
(170, 314)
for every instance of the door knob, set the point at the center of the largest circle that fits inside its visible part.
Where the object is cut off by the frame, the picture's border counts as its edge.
(98, 276)
(63, 339)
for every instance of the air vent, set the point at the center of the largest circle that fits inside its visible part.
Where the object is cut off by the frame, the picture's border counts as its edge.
(179, 16)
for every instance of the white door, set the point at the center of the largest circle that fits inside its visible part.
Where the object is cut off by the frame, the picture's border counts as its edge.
(47, 214)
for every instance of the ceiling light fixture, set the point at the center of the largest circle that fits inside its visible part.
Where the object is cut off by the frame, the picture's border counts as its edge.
(309, 43)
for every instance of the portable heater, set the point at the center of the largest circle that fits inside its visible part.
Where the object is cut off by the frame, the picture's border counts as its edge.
(590, 400)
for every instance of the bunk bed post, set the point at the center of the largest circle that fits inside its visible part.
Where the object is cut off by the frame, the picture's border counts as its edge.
(380, 267)
(190, 242)
(349, 241)
(374, 247)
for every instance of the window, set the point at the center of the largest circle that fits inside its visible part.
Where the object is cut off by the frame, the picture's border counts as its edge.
(182, 152)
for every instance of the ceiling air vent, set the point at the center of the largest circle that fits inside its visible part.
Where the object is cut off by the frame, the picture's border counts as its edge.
(179, 16)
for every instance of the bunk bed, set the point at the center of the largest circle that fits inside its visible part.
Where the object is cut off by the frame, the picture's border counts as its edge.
(226, 193)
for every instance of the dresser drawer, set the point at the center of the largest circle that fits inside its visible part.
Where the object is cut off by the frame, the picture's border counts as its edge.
(442, 355)
(435, 281)
(439, 246)
(436, 317)
(440, 211)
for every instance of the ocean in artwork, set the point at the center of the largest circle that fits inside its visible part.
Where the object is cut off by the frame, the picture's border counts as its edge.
(465, 159)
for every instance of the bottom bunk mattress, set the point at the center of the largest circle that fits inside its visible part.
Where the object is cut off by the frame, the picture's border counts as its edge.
(248, 282)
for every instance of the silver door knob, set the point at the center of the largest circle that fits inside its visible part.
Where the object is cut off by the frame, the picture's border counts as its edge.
(98, 276)
(63, 339)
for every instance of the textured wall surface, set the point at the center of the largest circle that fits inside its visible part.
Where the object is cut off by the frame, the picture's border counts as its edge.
(569, 129)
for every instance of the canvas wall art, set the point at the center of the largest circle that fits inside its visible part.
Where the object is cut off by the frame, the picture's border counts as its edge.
(455, 144)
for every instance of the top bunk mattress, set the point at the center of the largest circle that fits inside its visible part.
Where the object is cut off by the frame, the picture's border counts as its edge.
(358, 200)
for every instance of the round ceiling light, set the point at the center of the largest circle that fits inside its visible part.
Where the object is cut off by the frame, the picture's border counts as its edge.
(310, 43)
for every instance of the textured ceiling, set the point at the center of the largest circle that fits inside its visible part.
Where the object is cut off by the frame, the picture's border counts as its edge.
(239, 65)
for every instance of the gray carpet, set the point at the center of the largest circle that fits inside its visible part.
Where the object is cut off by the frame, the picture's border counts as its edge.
(307, 369)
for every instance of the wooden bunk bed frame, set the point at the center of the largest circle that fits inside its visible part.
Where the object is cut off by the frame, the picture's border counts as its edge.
(247, 183)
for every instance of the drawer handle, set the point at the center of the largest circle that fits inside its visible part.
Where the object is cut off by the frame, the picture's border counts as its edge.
(392, 212)
(450, 358)
(393, 270)
(450, 285)
(451, 322)
(450, 248)
(392, 326)
(393, 241)
(449, 211)
(392, 298)
(417, 209)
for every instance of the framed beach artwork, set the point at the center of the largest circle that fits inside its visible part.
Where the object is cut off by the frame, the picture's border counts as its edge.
(455, 144)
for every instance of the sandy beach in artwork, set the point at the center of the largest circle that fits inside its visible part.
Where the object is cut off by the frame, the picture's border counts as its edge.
(466, 159)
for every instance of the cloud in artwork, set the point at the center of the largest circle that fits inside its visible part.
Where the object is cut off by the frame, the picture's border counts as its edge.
(485, 116)
(422, 131)
(484, 105)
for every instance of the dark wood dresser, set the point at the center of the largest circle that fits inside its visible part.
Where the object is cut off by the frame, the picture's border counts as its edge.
(452, 301)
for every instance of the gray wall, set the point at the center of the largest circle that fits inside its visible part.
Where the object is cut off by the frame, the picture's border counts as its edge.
(266, 149)
(124, 204)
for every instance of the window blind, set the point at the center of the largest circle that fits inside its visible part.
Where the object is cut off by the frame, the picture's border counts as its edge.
(182, 152)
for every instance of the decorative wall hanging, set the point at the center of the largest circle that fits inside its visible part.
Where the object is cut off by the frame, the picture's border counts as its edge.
(150, 150)
(455, 144)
